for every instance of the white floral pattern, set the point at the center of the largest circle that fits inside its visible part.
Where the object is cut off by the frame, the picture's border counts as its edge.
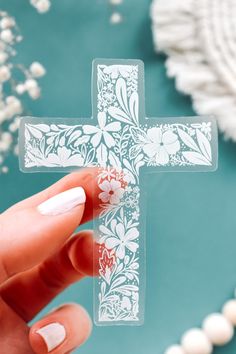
(121, 143)
(161, 145)
(122, 239)
(112, 191)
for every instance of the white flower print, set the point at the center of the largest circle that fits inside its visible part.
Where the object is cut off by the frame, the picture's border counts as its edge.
(103, 130)
(116, 70)
(112, 191)
(64, 158)
(160, 145)
(122, 240)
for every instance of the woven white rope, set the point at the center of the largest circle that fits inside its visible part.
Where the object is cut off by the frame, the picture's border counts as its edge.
(199, 37)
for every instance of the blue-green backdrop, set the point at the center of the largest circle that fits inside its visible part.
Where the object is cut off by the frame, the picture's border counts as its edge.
(191, 223)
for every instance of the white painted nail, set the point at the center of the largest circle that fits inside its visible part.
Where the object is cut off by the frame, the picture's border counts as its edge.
(63, 202)
(53, 335)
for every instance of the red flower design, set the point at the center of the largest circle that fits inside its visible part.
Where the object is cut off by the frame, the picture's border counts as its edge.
(107, 264)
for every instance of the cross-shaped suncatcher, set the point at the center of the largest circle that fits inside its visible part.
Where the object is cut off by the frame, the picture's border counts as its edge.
(123, 142)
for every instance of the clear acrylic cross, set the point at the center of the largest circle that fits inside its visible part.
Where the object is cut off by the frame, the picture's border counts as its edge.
(124, 144)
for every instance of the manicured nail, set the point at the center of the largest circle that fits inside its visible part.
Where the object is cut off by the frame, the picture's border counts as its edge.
(53, 335)
(63, 202)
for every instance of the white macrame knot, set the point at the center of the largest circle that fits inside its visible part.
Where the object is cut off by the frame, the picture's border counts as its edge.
(199, 37)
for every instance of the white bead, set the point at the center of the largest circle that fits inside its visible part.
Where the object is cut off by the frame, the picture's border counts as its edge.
(13, 106)
(5, 169)
(229, 311)
(4, 145)
(2, 116)
(11, 99)
(20, 89)
(3, 57)
(175, 349)
(7, 36)
(37, 69)
(34, 93)
(7, 22)
(43, 6)
(195, 341)
(16, 107)
(116, 18)
(5, 73)
(218, 329)
(6, 136)
(31, 84)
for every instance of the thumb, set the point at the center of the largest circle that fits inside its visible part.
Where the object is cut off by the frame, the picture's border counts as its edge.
(31, 235)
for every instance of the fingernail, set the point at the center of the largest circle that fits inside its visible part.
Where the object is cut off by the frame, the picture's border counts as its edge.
(63, 202)
(53, 335)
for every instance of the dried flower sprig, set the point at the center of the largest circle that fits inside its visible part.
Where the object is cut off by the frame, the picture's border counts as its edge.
(11, 88)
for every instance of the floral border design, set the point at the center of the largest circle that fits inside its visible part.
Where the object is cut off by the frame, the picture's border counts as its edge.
(120, 141)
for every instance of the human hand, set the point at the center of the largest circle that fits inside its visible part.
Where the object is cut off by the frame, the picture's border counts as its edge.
(39, 259)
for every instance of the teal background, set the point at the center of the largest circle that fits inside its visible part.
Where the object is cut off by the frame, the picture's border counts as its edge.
(191, 223)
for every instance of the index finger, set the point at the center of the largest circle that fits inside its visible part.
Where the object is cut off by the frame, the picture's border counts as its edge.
(84, 178)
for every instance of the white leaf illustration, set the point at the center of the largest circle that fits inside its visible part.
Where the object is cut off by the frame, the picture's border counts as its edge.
(90, 157)
(133, 106)
(138, 135)
(35, 132)
(114, 161)
(27, 134)
(82, 140)
(204, 144)
(118, 114)
(127, 288)
(54, 127)
(43, 127)
(196, 158)
(187, 140)
(73, 136)
(102, 154)
(134, 151)
(121, 94)
(118, 281)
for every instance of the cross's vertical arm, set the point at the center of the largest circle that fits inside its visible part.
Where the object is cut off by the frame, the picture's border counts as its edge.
(119, 106)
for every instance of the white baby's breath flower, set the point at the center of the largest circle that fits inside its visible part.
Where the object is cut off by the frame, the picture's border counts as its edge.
(5, 73)
(31, 83)
(41, 6)
(34, 92)
(20, 89)
(7, 22)
(7, 36)
(37, 69)
(10, 104)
